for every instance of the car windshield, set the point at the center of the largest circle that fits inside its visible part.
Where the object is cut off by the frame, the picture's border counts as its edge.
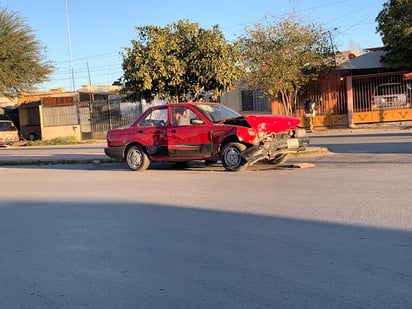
(217, 112)
(7, 126)
(390, 89)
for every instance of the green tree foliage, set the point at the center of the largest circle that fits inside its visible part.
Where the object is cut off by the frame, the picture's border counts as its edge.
(179, 62)
(395, 28)
(22, 63)
(283, 56)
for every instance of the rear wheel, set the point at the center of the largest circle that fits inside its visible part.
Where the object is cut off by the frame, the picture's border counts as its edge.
(136, 158)
(231, 158)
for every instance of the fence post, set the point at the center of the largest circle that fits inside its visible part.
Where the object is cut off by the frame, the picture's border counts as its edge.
(349, 95)
(110, 114)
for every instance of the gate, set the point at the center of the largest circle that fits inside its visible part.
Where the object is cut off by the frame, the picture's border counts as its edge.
(97, 117)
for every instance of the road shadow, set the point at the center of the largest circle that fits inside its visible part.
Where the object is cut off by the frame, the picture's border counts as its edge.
(79, 254)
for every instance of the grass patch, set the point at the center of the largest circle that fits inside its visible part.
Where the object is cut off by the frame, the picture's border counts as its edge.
(69, 140)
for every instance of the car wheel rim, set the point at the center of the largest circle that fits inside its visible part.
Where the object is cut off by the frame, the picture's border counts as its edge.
(232, 157)
(135, 158)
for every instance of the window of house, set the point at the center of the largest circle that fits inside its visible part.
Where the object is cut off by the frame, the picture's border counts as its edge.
(254, 100)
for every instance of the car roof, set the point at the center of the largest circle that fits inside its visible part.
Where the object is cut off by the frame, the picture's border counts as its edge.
(187, 103)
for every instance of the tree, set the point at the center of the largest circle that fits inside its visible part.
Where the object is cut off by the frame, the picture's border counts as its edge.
(22, 63)
(284, 56)
(179, 62)
(395, 28)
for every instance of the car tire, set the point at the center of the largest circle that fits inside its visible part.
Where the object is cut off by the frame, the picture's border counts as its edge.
(231, 158)
(32, 136)
(278, 160)
(136, 158)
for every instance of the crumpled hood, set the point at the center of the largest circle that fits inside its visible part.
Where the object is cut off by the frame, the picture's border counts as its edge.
(272, 123)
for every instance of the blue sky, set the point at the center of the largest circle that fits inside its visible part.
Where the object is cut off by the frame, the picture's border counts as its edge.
(100, 29)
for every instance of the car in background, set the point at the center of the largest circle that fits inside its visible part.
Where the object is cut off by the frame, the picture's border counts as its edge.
(391, 96)
(184, 132)
(8, 133)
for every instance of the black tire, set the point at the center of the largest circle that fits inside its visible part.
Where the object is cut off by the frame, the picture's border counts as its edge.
(279, 159)
(136, 158)
(231, 158)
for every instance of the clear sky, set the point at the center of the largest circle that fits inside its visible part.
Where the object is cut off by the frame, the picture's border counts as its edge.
(100, 29)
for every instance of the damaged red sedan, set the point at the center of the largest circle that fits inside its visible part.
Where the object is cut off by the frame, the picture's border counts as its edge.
(184, 132)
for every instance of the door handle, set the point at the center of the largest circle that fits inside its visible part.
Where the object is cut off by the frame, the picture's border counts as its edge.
(173, 131)
(139, 131)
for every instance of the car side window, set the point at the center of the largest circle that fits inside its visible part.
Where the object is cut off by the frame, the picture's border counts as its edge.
(156, 118)
(182, 116)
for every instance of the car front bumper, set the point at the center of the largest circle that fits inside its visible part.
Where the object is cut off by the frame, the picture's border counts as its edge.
(295, 140)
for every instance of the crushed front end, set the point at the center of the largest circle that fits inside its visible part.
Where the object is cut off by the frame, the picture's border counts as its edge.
(270, 146)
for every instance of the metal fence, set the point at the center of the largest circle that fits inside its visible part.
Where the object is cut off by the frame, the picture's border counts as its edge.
(60, 116)
(97, 117)
(381, 91)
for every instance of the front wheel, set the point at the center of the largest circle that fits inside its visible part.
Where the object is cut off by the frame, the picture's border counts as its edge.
(231, 158)
(136, 158)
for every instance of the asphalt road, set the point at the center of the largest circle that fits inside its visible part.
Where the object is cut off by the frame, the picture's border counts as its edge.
(337, 234)
(52, 153)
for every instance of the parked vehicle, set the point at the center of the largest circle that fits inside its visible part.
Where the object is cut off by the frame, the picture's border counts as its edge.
(8, 133)
(185, 132)
(391, 96)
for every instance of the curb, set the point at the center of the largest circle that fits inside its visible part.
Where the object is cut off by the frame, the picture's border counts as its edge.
(54, 162)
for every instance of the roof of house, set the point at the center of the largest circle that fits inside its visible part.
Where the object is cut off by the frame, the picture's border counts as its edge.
(369, 60)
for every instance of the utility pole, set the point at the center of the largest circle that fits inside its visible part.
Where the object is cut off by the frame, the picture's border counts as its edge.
(69, 43)
(332, 46)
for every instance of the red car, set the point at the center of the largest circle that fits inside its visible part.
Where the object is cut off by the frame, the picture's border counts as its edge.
(185, 132)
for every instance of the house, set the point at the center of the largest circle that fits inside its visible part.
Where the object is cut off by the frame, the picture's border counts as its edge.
(84, 114)
(49, 115)
(344, 96)
(356, 83)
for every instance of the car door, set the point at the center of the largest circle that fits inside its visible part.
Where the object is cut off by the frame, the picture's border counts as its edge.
(188, 135)
(151, 132)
